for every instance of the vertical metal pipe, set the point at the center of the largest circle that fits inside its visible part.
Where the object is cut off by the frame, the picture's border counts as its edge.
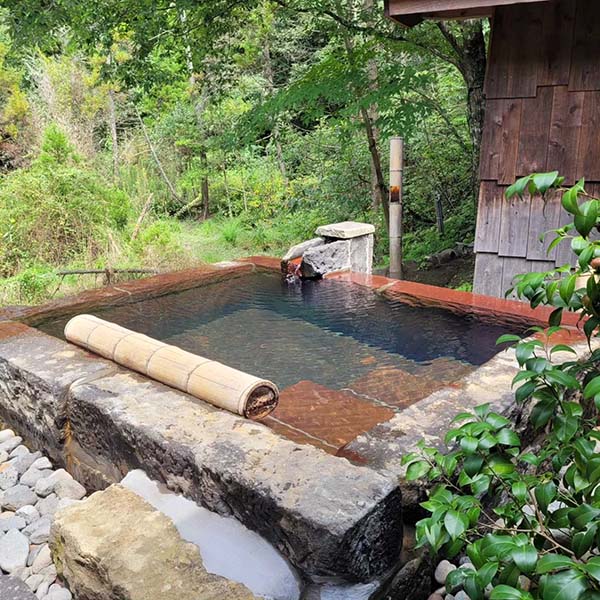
(395, 228)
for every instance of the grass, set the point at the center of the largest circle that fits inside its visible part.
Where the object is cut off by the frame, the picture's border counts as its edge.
(164, 244)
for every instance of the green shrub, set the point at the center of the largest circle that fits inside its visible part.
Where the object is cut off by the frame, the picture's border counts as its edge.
(528, 518)
(31, 286)
(231, 230)
(160, 235)
(56, 210)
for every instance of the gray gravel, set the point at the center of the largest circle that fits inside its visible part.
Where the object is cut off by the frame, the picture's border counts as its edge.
(31, 491)
(443, 569)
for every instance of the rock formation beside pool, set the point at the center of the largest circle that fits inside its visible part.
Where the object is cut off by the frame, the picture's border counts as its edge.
(346, 246)
(97, 551)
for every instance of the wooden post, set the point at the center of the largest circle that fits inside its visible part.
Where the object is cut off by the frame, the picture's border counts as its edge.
(395, 222)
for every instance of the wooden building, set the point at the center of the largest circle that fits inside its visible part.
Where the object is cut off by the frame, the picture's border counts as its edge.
(542, 114)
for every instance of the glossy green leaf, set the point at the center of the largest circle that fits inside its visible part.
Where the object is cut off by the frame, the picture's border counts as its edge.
(417, 470)
(505, 592)
(469, 444)
(566, 585)
(592, 388)
(544, 494)
(593, 568)
(525, 557)
(553, 562)
(456, 523)
(506, 437)
(519, 187)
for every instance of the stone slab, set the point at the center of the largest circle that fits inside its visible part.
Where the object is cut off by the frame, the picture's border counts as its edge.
(328, 517)
(98, 552)
(345, 230)
(36, 372)
(299, 249)
(361, 254)
(331, 416)
(12, 588)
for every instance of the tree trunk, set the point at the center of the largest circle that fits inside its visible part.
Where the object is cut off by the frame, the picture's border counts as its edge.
(474, 66)
(382, 189)
(379, 180)
(270, 79)
(155, 157)
(199, 101)
(205, 188)
(112, 124)
(377, 200)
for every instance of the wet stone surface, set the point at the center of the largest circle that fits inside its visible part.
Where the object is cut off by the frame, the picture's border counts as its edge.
(29, 499)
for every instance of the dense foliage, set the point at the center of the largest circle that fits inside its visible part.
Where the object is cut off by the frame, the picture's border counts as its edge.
(525, 505)
(54, 210)
(265, 118)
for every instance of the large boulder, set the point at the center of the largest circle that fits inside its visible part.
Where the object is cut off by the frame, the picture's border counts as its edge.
(299, 249)
(328, 258)
(115, 545)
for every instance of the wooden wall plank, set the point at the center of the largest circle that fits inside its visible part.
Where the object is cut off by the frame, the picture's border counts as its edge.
(489, 213)
(509, 136)
(526, 55)
(514, 228)
(407, 7)
(534, 132)
(510, 268)
(565, 129)
(514, 64)
(500, 141)
(496, 76)
(488, 275)
(585, 71)
(489, 157)
(588, 157)
(498, 159)
(557, 40)
(543, 217)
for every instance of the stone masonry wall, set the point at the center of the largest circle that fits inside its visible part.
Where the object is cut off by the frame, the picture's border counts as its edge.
(328, 517)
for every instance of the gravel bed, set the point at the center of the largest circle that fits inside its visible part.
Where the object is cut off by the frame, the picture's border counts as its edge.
(442, 571)
(31, 491)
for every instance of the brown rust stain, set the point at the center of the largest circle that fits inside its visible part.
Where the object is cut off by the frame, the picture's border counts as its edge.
(129, 292)
(10, 329)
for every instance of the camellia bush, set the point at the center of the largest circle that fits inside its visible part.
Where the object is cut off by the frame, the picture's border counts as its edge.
(524, 506)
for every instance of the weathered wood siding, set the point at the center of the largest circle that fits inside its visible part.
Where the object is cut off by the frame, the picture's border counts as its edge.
(543, 114)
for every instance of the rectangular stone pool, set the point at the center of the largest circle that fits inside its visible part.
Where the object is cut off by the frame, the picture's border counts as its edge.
(344, 357)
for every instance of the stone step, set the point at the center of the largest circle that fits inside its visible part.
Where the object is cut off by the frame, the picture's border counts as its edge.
(98, 551)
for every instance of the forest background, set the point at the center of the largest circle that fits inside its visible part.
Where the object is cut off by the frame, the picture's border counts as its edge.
(160, 134)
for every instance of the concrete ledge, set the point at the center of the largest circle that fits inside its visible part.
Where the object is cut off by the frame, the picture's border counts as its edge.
(36, 373)
(126, 293)
(329, 517)
(485, 308)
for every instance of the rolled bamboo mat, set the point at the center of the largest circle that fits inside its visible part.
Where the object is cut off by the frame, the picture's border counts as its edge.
(206, 379)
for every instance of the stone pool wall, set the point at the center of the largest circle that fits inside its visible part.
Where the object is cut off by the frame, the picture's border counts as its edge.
(328, 517)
